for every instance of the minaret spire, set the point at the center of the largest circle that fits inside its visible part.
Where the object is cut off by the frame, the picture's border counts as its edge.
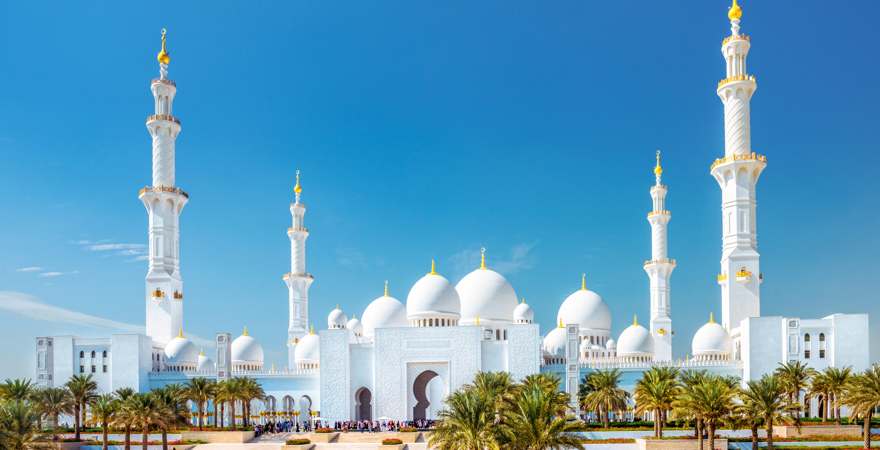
(659, 268)
(164, 202)
(737, 175)
(298, 280)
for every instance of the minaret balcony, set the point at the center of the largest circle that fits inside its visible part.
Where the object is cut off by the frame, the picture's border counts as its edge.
(740, 37)
(735, 157)
(168, 117)
(167, 189)
(735, 79)
(289, 275)
(658, 213)
(660, 261)
(164, 81)
(295, 229)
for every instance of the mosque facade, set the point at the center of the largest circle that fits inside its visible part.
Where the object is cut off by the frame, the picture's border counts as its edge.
(399, 360)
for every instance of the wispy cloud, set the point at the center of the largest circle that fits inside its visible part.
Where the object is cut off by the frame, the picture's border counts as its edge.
(57, 274)
(32, 308)
(43, 273)
(106, 247)
(516, 259)
(30, 269)
(350, 257)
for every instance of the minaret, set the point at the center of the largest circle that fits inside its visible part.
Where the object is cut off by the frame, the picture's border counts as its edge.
(737, 174)
(164, 202)
(297, 280)
(659, 269)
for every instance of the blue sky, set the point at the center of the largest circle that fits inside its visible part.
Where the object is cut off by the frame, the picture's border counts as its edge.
(426, 130)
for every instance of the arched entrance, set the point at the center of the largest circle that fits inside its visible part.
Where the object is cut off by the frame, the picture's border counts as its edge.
(420, 391)
(364, 404)
(305, 408)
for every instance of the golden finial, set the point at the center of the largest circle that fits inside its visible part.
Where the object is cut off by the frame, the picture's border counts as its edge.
(711, 317)
(477, 320)
(735, 12)
(163, 57)
(561, 325)
(583, 281)
(311, 329)
(658, 169)
(180, 332)
(433, 267)
(483, 258)
(386, 288)
(523, 300)
(245, 331)
(297, 189)
(635, 320)
(202, 352)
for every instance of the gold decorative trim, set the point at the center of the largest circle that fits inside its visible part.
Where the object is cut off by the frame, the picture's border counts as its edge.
(747, 157)
(736, 78)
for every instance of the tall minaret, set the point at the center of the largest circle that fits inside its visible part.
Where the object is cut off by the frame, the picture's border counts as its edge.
(297, 280)
(737, 174)
(659, 269)
(164, 202)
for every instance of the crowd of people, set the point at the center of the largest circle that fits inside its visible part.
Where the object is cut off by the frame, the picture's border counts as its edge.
(292, 426)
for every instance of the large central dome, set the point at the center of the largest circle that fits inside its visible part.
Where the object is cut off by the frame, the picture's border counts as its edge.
(486, 295)
(587, 309)
(383, 312)
(432, 297)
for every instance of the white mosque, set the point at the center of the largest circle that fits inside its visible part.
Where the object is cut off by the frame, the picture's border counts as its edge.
(399, 360)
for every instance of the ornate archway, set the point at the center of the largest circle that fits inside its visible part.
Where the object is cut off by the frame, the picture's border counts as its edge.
(364, 404)
(420, 392)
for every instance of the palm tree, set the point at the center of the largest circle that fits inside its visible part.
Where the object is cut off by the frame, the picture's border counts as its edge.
(52, 402)
(819, 390)
(250, 390)
(18, 428)
(104, 409)
(836, 379)
(17, 389)
(123, 417)
(83, 389)
(712, 400)
(655, 392)
(467, 423)
(689, 380)
(171, 401)
(145, 412)
(862, 395)
(751, 415)
(767, 398)
(795, 378)
(605, 394)
(200, 391)
(225, 393)
(534, 417)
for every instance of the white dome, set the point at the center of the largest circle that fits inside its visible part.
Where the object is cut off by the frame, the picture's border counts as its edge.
(585, 308)
(246, 350)
(432, 296)
(336, 319)
(355, 326)
(181, 350)
(383, 312)
(523, 313)
(486, 294)
(611, 344)
(205, 363)
(711, 339)
(554, 342)
(308, 350)
(635, 340)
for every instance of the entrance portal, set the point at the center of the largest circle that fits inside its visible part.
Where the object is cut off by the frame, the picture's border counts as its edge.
(420, 391)
(364, 404)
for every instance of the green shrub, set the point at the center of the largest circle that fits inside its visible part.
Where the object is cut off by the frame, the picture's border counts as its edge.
(408, 429)
(391, 441)
(299, 441)
(324, 430)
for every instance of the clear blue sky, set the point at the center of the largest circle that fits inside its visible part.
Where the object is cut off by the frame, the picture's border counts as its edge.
(426, 130)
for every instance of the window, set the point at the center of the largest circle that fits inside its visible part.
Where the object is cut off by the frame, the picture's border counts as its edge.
(82, 369)
(104, 367)
(82, 354)
(807, 346)
(93, 369)
(821, 345)
(93, 353)
(104, 353)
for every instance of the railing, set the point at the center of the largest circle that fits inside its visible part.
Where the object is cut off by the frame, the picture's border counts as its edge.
(170, 189)
(734, 79)
(741, 37)
(170, 374)
(164, 81)
(681, 364)
(747, 157)
(167, 117)
(289, 275)
(292, 229)
(662, 211)
(660, 261)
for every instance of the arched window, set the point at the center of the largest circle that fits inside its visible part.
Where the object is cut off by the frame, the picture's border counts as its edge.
(807, 346)
(93, 353)
(82, 354)
(104, 353)
(821, 345)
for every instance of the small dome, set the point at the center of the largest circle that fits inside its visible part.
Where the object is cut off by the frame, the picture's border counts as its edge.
(486, 294)
(523, 313)
(246, 350)
(611, 344)
(587, 309)
(431, 297)
(355, 326)
(711, 339)
(205, 363)
(336, 319)
(181, 351)
(383, 312)
(554, 343)
(308, 350)
(635, 341)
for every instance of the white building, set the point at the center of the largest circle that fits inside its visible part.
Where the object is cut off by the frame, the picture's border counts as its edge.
(400, 360)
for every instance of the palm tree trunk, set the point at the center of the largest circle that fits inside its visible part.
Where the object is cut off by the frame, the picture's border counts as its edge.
(770, 434)
(144, 439)
(164, 439)
(232, 415)
(866, 429)
(104, 435)
(201, 407)
(711, 428)
(700, 432)
(76, 421)
(754, 436)
(605, 421)
(222, 414)
(127, 437)
(215, 412)
(658, 424)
